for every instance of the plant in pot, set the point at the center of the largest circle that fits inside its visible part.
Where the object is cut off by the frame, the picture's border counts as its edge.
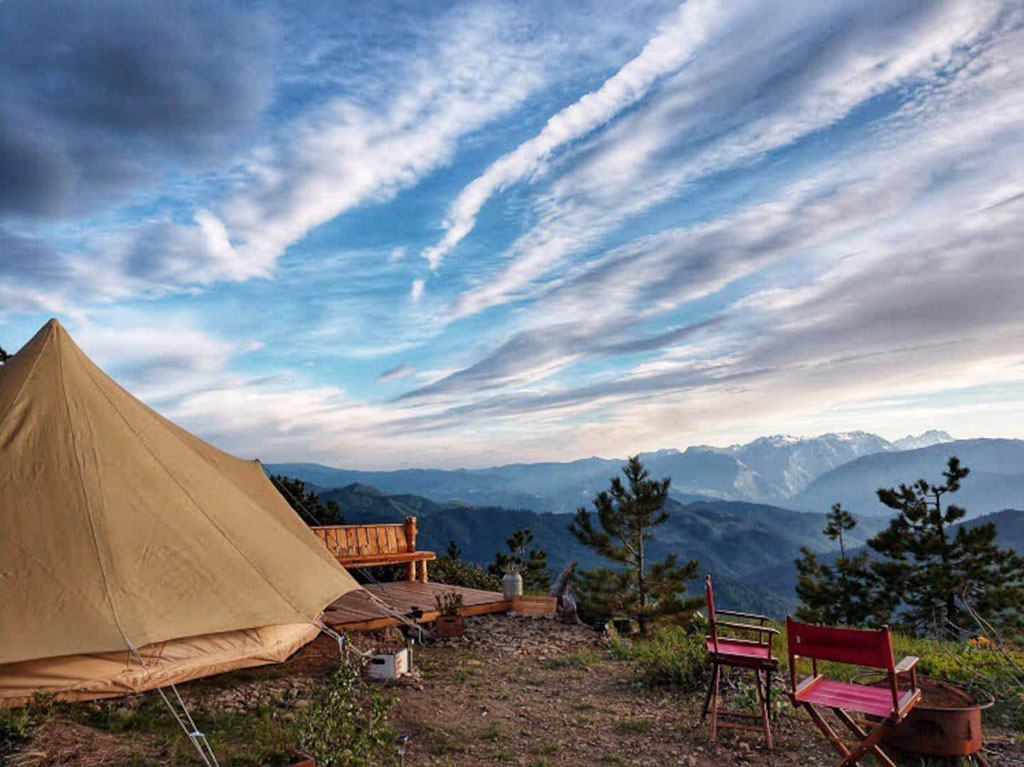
(449, 614)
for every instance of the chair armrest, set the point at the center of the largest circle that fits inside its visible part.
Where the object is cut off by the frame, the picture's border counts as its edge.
(907, 664)
(749, 616)
(747, 627)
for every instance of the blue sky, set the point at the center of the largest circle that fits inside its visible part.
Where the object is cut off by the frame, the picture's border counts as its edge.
(470, 233)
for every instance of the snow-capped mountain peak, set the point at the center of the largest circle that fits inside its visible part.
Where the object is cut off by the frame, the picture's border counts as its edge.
(927, 439)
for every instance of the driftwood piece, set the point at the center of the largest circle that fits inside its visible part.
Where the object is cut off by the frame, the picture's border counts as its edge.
(562, 591)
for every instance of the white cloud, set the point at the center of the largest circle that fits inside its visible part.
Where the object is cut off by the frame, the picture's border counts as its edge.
(675, 43)
(416, 291)
(713, 108)
(346, 153)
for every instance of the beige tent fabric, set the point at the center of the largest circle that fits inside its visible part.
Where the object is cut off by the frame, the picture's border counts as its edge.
(106, 675)
(119, 527)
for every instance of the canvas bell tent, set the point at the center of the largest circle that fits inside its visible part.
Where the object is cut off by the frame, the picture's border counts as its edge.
(132, 553)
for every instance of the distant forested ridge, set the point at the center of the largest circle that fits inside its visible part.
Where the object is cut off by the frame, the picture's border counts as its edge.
(729, 539)
(803, 474)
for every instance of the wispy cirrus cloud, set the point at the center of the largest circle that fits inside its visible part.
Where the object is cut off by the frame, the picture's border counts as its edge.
(675, 43)
(473, 70)
(663, 223)
(750, 95)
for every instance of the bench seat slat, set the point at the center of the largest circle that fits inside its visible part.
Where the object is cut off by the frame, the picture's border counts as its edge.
(388, 559)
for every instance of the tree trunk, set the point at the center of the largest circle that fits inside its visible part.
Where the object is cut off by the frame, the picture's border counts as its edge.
(641, 583)
(562, 591)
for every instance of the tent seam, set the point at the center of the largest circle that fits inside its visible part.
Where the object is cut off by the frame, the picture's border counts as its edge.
(88, 508)
(192, 500)
(31, 372)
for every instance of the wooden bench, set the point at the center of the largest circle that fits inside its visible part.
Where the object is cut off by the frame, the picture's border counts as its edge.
(375, 545)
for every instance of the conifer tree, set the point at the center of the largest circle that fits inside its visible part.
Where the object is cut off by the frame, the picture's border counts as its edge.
(626, 515)
(839, 521)
(929, 560)
(306, 503)
(531, 563)
(4, 356)
(843, 593)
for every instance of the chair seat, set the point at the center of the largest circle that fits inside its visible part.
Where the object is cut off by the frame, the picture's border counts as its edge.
(876, 701)
(745, 650)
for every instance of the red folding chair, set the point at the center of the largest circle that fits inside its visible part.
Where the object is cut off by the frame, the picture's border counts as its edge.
(742, 652)
(886, 706)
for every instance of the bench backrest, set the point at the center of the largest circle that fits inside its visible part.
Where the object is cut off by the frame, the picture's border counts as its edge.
(857, 647)
(369, 540)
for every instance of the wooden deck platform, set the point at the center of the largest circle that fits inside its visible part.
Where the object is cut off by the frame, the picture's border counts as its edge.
(358, 611)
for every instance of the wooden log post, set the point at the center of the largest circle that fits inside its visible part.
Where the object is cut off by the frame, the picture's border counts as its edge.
(410, 542)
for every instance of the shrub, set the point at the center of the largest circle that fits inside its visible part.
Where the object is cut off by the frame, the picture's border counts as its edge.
(454, 571)
(15, 728)
(346, 726)
(668, 657)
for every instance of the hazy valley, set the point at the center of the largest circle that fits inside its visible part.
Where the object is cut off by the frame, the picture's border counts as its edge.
(719, 514)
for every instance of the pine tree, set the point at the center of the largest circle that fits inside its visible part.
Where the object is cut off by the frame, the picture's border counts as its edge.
(626, 514)
(307, 504)
(4, 356)
(843, 593)
(531, 563)
(839, 520)
(929, 560)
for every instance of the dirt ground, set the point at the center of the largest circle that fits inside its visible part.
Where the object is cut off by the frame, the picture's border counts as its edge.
(516, 691)
(481, 706)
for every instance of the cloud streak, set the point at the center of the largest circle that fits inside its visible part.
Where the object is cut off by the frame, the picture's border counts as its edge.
(746, 220)
(675, 43)
(712, 115)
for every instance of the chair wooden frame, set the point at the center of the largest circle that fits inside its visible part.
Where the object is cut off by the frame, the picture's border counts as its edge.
(739, 652)
(857, 647)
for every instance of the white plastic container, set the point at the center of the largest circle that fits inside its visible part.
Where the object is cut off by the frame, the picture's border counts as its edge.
(388, 665)
(512, 586)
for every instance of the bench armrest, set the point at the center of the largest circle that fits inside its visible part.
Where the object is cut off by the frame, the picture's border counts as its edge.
(907, 664)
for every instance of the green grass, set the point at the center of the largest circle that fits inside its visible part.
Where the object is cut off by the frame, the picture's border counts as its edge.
(16, 726)
(668, 657)
(492, 732)
(447, 746)
(673, 657)
(462, 674)
(633, 726)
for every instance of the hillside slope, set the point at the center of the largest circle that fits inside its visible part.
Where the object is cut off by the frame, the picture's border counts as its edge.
(996, 480)
(780, 578)
(730, 539)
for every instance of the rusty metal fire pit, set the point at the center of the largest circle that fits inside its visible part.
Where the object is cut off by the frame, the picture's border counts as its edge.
(947, 721)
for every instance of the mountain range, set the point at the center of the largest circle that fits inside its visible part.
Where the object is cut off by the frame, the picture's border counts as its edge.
(996, 481)
(729, 539)
(808, 474)
(749, 548)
